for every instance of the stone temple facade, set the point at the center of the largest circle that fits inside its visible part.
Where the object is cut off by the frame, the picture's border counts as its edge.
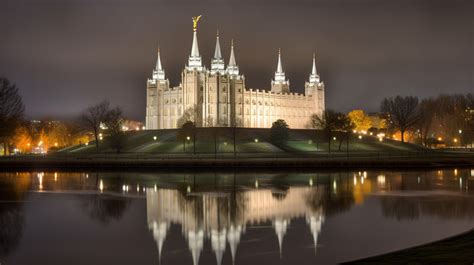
(218, 97)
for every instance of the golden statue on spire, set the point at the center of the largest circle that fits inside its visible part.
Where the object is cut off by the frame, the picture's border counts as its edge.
(195, 22)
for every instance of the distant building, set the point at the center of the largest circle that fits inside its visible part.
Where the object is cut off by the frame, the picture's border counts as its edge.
(218, 97)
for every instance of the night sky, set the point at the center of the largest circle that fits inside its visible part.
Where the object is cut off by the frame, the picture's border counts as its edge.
(68, 54)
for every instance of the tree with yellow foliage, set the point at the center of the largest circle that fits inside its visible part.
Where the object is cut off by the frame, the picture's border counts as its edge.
(361, 121)
(22, 139)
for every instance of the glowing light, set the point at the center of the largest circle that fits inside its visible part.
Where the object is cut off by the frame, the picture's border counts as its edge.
(143, 127)
(381, 180)
(55, 176)
(354, 131)
(87, 144)
(360, 137)
(455, 172)
(361, 180)
(138, 128)
(155, 188)
(380, 139)
(256, 183)
(371, 133)
(188, 189)
(28, 144)
(124, 188)
(311, 182)
(101, 185)
(355, 180)
(460, 131)
(154, 138)
(40, 143)
(440, 139)
(455, 140)
(334, 138)
(256, 140)
(225, 143)
(138, 187)
(365, 174)
(334, 185)
(56, 144)
(40, 180)
(87, 176)
(460, 183)
(188, 138)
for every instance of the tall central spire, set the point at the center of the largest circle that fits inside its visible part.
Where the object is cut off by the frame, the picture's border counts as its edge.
(217, 63)
(232, 68)
(194, 62)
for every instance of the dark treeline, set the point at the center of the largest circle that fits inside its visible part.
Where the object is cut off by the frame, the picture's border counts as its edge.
(446, 119)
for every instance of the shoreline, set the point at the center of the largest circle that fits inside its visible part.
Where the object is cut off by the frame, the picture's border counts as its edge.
(231, 163)
(456, 249)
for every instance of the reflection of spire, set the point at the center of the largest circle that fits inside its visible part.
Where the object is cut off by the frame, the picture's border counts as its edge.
(159, 234)
(280, 226)
(233, 237)
(315, 222)
(218, 242)
(195, 243)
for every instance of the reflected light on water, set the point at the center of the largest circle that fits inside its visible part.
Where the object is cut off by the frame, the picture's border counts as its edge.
(101, 185)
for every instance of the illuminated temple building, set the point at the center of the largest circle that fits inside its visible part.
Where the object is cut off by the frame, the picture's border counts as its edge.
(218, 97)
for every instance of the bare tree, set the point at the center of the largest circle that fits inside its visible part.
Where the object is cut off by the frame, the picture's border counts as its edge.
(113, 122)
(93, 116)
(427, 112)
(401, 112)
(11, 111)
(327, 122)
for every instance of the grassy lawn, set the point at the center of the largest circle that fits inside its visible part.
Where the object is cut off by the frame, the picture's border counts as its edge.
(164, 141)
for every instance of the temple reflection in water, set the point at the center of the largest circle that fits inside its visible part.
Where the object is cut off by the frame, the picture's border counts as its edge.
(222, 218)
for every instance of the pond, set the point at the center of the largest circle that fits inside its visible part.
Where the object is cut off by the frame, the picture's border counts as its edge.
(225, 217)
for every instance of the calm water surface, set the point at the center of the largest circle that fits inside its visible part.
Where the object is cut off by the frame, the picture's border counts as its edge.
(226, 218)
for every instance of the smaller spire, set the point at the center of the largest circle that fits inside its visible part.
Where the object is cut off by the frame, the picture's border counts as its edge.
(217, 51)
(279, 67)
(158, 72)
(217, 63)
(158, 61)
(314, 77)
(232, 68)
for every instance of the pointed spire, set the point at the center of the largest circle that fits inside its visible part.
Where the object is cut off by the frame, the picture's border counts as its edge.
(195, 48)
(217, 51)
(232, 68)
(158, 61)
(194, 62)
(279, 68)
(232, 56)
(314, 77)
(217, 63)
(158, 72)
(313, 71)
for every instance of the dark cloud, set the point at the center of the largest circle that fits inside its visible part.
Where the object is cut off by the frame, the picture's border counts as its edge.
(68, 54)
